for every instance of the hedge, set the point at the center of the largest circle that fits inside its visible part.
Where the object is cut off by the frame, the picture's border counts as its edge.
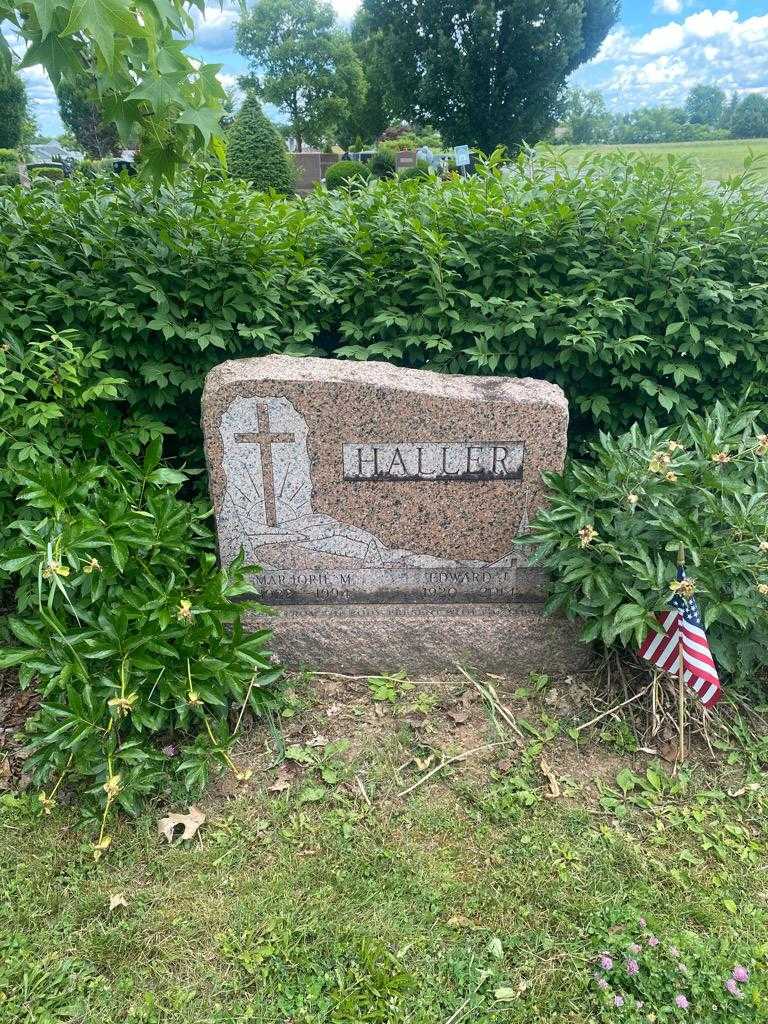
(346, 172)
(632, 284)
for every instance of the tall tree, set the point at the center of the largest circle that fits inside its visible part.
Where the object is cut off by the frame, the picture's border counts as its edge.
(705, 105)
(750, 118)
(82, 115)
(485, 72)
(13, 108)
(586, 116)
(367, 118)
(301, 62)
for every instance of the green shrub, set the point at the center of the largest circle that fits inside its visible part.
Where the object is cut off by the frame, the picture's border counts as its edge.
(9, 156)
(53, 173)
(382, 164)
(122, 615)
(256, 153)
(8, 177)
(421, 170)
(346, 172)
(631, 284)
(611, 534)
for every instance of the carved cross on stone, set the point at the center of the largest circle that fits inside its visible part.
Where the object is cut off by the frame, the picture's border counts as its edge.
(265, 442)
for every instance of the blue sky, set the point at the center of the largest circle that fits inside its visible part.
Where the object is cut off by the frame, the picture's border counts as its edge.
(658, 50)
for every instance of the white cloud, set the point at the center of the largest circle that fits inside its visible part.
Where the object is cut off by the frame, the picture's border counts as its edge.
(614, 46)
(661, 65)
(707, 24)
(664, 39)
(215, 28)
(668, 6)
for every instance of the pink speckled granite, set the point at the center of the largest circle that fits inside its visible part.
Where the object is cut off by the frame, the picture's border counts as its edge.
(413, 565)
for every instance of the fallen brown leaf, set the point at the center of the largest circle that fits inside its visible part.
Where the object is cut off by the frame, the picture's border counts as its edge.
(189, 823)
(669, 751)
(117, 900)
(554, 785)
(282, 782)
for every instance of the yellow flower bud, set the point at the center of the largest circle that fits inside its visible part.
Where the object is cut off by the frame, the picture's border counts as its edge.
(184, 613)
(112, 786)
(587, 534)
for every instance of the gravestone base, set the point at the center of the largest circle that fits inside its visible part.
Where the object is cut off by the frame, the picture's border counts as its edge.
(376, 639)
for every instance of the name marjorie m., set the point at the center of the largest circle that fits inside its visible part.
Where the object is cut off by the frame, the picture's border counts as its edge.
(491, 460)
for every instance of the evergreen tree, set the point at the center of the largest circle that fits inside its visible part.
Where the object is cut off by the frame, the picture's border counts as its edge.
(256, 153)
(13, 108)
(82, 116)
(485, 72)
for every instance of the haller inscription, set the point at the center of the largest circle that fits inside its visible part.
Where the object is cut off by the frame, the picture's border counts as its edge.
(476, 460)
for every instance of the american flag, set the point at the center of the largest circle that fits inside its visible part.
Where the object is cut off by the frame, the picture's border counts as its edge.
(683, 623)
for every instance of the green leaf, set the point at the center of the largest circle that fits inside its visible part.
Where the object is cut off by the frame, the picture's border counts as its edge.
(204, 119)
(102, 20)
(160, 91)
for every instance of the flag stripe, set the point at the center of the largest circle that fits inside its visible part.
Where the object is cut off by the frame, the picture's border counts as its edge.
(684, 637)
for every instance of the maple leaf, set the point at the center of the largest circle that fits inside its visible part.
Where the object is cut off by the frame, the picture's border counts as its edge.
(103, 20)
(204, 119)
(189, 822)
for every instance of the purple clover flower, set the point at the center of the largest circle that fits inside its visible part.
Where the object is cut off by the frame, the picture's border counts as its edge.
(606, 962)
(733, 987)
(740, 973)
(674, 951)
(602, 983)
(641, 922)
(632, 966)
(618, 1000)
(652, 940)
(681, 1002)
(634, 948)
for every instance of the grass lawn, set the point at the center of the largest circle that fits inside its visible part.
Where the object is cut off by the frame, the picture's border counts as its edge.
(484, 895)
(718, 160)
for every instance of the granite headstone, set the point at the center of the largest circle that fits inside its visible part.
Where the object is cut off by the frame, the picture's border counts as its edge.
(383, 506)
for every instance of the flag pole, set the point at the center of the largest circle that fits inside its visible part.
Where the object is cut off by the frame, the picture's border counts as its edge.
(681, 671)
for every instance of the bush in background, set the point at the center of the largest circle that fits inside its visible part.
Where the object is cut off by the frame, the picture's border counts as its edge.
(346, 172)
(636, 287)
(611, 533)
(421, 170)
(382, 164)
(256, 153)
(54, 173)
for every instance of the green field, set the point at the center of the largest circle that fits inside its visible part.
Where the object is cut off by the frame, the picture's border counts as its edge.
(718, 160)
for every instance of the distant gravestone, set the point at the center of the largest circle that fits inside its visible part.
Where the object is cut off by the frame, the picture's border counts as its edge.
(383, 506)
